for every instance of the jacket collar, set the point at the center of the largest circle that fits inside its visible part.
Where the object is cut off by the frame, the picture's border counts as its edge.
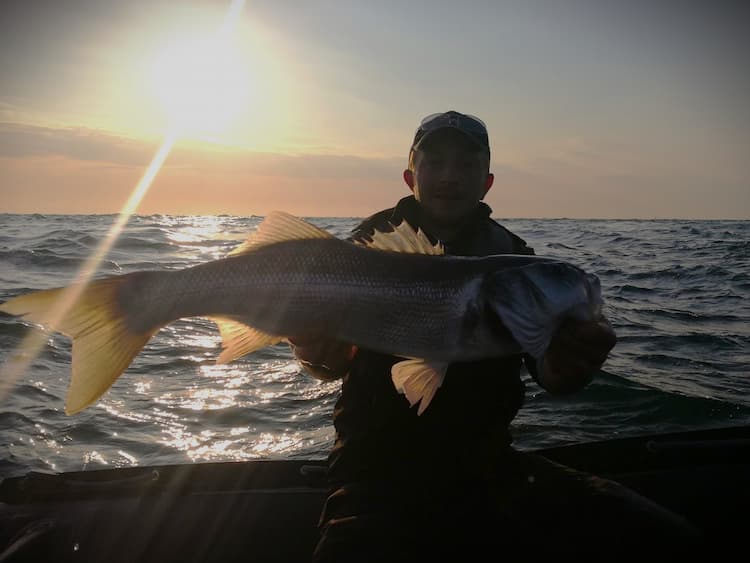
(408, 209)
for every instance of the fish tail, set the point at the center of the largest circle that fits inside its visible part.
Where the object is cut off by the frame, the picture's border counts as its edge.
(103, 343)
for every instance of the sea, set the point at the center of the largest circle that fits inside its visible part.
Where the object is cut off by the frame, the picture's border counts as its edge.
(677, 293)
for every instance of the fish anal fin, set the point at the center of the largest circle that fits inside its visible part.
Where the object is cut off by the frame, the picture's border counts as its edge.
(279, 226)
(418, 380)
(239, 339)
(403, 238)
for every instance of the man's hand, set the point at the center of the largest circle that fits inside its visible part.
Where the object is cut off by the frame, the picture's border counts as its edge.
(576, 352)
(323, 358)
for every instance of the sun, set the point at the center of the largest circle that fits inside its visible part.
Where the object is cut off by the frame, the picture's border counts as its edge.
(202, 84)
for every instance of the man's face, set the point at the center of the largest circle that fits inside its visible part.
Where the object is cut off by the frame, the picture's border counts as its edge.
(450, 176)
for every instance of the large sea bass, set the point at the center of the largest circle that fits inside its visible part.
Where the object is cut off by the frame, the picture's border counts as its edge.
(400, 296)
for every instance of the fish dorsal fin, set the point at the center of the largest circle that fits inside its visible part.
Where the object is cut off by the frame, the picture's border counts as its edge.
(403, 238)
(279, 226)
(239, 339)
(418, 380)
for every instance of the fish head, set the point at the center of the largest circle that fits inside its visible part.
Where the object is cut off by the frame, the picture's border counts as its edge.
(562, 288)
(533, 298)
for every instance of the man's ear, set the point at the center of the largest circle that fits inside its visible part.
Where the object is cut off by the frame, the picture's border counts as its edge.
(488, 184)
(409, 179)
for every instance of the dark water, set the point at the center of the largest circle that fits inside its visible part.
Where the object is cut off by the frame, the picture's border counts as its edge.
(677, 293)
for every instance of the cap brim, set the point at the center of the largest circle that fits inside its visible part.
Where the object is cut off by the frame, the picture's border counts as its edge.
(477, 143)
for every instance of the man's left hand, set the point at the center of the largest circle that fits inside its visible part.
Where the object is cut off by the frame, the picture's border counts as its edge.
(575, 354)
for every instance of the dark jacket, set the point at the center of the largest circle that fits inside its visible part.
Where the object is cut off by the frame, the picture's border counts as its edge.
(379, 437)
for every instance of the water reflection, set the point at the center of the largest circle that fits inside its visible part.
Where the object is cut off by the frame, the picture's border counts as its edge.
(239, 443)
(202, 236)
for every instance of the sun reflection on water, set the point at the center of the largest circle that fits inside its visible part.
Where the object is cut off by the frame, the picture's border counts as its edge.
(239, 443)
(203, 237)
(194, 340)
(208, 399)
(246, 410)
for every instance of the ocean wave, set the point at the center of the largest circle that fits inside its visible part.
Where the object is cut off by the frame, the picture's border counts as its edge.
(676, 292)
(45, 259)
(630, 289)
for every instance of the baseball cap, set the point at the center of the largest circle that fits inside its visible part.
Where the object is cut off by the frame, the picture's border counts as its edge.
(471, 126)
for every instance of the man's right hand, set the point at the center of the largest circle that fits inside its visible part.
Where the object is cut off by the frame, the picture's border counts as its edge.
(322, 358)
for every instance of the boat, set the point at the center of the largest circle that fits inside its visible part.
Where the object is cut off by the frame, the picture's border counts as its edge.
(267, 510)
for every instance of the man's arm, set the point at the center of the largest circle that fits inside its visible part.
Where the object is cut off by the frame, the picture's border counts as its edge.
(576, 353)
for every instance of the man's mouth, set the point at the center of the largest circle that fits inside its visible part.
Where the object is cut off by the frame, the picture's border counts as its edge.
(447, 196)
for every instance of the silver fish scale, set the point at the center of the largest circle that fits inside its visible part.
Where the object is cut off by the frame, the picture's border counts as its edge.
(405, 304)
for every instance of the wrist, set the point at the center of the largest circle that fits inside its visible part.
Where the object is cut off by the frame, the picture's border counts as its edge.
(561, 382)
(322, 371)
(325, 359)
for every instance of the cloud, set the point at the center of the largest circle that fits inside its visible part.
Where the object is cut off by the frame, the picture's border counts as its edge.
(82, 144)
(338, 167)
(20, 141)
(91, 171)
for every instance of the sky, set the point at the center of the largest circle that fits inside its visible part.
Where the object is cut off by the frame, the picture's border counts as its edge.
(595, 108)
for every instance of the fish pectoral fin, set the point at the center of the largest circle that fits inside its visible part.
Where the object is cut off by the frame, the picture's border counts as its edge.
(279, 226)
(531, 327)
(418, 380)
(103, 344)
(403, 238)
(239, 339)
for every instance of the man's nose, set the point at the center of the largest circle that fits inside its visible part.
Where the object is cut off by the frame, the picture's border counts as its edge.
(450, 172)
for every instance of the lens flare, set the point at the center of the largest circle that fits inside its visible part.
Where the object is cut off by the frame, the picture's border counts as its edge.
(33, 343)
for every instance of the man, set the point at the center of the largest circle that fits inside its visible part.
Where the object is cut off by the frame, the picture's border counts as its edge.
(447, 483)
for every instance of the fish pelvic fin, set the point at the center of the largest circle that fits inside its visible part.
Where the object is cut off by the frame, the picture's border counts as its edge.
(239, 339)
(403, 238)
(103, 344)
(418, 380)
(279, 226)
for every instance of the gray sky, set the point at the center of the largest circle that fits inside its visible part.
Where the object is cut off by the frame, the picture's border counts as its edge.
(595, 108)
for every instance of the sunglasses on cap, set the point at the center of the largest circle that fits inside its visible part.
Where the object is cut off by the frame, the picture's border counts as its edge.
(471, 126)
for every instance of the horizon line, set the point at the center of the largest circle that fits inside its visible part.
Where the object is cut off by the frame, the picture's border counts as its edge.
(495, 217)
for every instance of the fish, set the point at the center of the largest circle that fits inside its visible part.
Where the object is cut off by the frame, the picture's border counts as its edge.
(396, 293)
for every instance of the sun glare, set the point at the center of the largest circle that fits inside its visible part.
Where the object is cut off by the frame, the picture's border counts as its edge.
(201, 83)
